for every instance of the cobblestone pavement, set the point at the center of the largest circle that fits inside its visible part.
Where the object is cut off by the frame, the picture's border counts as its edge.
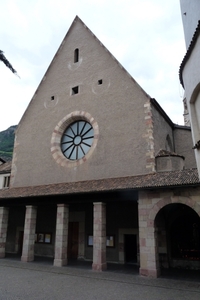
(43, 281)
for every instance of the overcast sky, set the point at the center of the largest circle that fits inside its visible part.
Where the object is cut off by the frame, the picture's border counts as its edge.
(145, 36)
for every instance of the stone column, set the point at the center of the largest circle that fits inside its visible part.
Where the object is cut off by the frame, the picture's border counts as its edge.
(3, 229)
(149, 265)
(99, 237)
(61, 235)
(29, 234)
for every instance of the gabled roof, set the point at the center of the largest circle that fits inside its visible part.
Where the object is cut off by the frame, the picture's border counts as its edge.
(172, 179)
(162, 112)
(166, 117)
(189, 51)
(77, 19)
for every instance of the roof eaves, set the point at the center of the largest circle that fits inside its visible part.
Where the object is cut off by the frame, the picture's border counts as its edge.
(162, 112)
(184, 178)
(188, 53)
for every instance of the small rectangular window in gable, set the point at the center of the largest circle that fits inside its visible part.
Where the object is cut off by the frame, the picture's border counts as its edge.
(76, 55)
(75, 90)
(100, 81)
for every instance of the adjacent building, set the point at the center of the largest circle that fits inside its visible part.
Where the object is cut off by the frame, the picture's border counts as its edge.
(5, 170)
(190, 68)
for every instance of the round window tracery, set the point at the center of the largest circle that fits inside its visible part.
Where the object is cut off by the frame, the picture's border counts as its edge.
(77, 140)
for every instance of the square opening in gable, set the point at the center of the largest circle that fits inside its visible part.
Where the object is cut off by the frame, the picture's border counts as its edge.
(75, 90)
(100, 81)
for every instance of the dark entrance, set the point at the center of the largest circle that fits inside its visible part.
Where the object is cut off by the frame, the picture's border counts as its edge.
(72, 249)
(178, 235)
(20, 242)
(130, 246)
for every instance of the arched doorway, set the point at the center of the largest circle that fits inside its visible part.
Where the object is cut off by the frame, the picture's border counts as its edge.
(178, 237)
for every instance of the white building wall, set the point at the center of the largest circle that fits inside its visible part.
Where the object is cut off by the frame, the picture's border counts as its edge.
(191, 79)
(2, 176)
(190, 11)
(1, 180)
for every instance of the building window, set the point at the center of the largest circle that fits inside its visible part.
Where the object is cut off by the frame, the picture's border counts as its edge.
(77, 140)
(75, 90)
(6, 182)
(59, 151)
(76, 55)
(100, 81)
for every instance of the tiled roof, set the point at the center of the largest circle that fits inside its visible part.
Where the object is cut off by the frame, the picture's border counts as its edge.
(2, 160)
(5, 168)
(182, 178)
(189, 51)
(163, 153)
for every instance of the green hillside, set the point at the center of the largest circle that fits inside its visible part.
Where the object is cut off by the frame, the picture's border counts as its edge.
(7, 142)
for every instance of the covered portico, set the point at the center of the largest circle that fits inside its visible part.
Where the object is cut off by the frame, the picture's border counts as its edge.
(98, 218)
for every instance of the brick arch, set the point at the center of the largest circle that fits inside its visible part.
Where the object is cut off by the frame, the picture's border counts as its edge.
(173, 200)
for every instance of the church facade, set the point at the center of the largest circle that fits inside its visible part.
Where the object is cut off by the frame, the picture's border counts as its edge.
(99, 171)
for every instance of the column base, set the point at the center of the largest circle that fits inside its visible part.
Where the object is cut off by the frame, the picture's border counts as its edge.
(59, 262)
(27, 258)
(150, 273)
(99, 267)
(2, 255)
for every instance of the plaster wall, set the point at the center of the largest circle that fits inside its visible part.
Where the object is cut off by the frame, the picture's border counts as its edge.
(191, 74)
(117, 105)
(183, 146)
(1, 180)
(169, 163)
(161, 129)
(190, 12)
(191, 79)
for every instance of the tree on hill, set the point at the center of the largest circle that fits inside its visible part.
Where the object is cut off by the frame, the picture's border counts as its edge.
(6, 62)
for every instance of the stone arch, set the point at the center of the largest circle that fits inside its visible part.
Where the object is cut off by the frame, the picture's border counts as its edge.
(172, 200)
(176, 223)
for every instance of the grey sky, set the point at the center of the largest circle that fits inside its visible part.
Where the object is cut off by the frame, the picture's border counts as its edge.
(145, 36)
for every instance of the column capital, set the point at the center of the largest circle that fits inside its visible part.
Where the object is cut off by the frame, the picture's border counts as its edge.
(31, 206)
(62, 205)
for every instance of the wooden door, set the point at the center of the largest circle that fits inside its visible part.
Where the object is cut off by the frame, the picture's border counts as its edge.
(73, 231)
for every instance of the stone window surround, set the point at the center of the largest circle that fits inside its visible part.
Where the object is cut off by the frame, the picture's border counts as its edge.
(58, 132)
